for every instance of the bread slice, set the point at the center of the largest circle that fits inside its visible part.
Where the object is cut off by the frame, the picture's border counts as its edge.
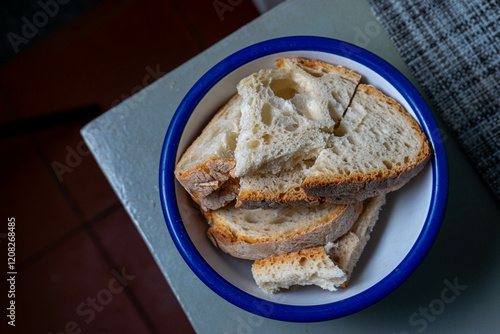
(288, 113)
(328, 267)
(310, 266)
(347, 250)
(207, 168)
(220, 197)
(375, 148)
(270, 191)
(257, 234)
(209, 162)
(378, 148)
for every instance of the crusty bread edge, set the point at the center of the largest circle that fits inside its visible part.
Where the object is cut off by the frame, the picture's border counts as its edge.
(371, 210)
(314, 254)
(318, 235)
(206, 176)
(352, 192)
(360, 187)
(370, 214)
(270, 200)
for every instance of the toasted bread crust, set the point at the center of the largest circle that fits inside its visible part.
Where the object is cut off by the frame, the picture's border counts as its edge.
(312, 253)
(311, 266)
(358, 187)
(360, 232)
(270, 200)
(245, 247)
(206, 177)
(220, 197)
(359, 191)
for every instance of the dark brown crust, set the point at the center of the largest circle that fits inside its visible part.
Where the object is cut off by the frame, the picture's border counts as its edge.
(318, 235)
(357, 187)
(270, 200)
(203, 179)
(359, 190)
(219, 198)
(206, 176)
(272, 204)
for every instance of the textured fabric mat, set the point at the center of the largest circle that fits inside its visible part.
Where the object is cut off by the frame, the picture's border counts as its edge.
(453, 49)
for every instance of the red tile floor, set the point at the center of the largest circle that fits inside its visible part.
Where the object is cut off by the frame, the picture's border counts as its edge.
(81, 265)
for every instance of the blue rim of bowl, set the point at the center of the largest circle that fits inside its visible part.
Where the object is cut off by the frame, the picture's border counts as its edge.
(293, 312)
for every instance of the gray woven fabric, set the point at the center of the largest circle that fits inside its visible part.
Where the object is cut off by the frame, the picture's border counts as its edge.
(453, 49)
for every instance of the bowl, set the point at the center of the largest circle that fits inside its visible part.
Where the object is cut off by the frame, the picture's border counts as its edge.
(408, 223)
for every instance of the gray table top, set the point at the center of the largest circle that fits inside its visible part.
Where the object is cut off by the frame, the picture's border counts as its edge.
(126, 142)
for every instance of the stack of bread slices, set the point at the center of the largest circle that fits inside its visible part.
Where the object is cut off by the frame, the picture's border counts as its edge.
(293, 170)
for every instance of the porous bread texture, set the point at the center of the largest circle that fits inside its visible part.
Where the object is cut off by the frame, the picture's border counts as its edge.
(270, 191)
(328, 267)
(257, 234)
(377, 148)
(346, 251)
(209, 162)
(288, 113)
(335, 80)
(304, 267)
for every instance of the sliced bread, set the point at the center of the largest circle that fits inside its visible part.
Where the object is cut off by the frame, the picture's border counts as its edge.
(209, 161)
(288, 113)
(347, 250)
(328, 267)
(378, 148)
(310, 266)
(268, 191)
(257, 234)
(220, 197)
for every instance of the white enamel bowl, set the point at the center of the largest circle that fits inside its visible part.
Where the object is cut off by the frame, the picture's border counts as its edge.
(408, 223)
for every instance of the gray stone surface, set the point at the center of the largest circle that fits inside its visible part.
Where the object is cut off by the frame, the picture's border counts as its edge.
(127, 141)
